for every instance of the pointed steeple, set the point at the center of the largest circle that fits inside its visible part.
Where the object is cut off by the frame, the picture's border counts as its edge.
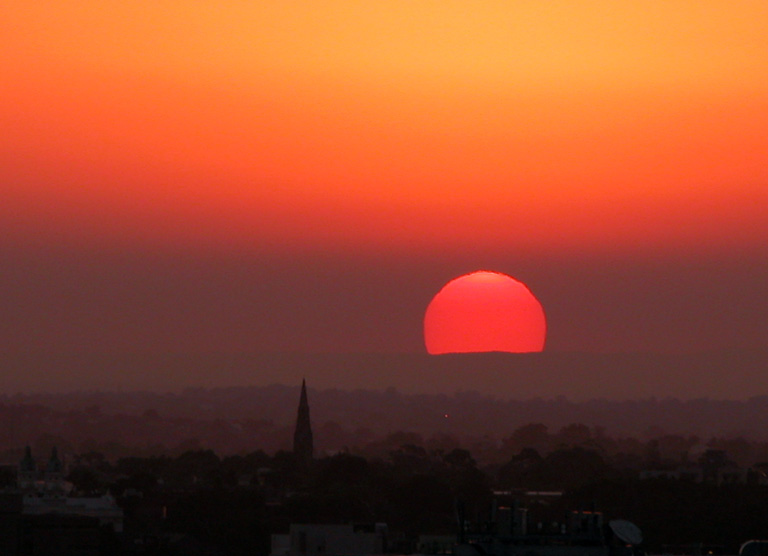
(302, 436)
(54, 464)
(26, 474)
(27, 465)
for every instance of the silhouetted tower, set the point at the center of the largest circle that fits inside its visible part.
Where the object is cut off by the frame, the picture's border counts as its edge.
(54, 471)
(302, 436)
(27, 473)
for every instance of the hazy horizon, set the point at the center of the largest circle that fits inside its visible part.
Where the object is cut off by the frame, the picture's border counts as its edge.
(726, 375)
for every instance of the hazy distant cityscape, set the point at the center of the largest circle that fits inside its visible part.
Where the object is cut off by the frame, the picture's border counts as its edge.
(238, 419)
(235, 471)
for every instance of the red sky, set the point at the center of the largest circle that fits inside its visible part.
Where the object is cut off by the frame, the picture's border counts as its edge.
(306, 175)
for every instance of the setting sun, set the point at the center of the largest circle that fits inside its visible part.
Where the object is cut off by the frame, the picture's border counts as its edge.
(269, 175)
(484, 311)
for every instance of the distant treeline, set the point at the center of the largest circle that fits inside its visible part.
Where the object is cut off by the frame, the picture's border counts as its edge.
(243, 419)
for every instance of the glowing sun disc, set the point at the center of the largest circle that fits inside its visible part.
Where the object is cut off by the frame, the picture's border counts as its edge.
(484, 311)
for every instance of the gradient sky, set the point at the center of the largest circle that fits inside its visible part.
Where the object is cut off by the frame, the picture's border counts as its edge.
(234, 176)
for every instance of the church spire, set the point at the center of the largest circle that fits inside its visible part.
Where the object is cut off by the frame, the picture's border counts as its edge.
(302, 436)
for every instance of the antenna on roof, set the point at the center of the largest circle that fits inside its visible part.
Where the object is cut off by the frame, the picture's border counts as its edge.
(626, 531)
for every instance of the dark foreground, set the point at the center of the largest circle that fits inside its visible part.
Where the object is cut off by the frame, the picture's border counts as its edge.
(199, 503)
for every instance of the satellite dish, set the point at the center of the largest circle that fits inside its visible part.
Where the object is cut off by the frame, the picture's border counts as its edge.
(626, 531)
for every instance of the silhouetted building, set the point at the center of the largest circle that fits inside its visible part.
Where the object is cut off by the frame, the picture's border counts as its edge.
(44, 491)
(54, 471)
(27, 472)
(302, 437)
(545, 531)
(331, 540)
(41, 480)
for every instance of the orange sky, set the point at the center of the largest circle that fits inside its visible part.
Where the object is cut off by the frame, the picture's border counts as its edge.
(546, 126)
(227, 176)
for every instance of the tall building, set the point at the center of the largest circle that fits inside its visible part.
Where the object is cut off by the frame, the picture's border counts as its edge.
(302, 436)
(42, 480)
(44, 491)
